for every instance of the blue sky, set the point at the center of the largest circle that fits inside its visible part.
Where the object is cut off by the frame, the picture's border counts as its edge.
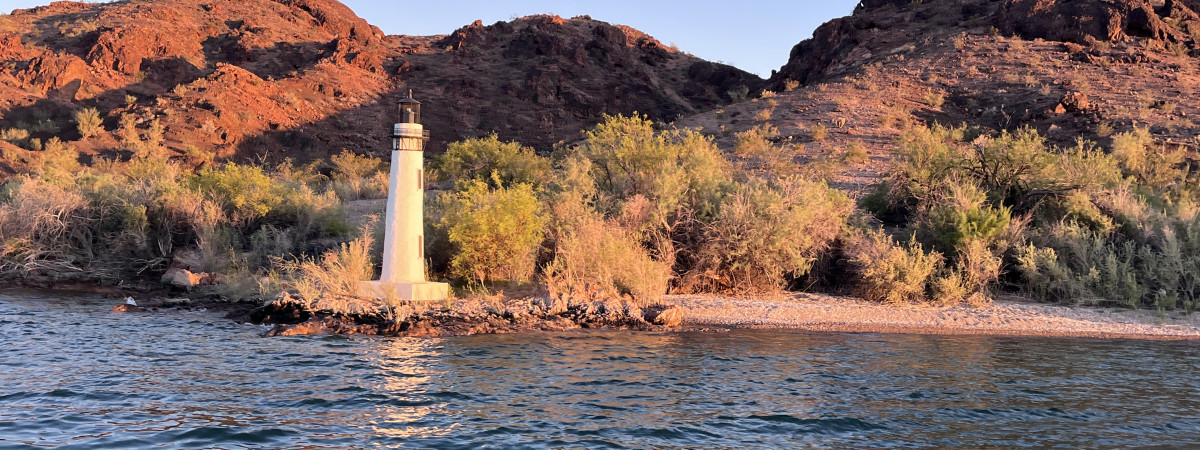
(754, 35)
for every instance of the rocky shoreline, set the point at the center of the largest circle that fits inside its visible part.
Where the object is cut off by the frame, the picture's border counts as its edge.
(1009, 316)
(468, 317)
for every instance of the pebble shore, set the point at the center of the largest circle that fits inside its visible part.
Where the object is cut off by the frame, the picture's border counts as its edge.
(1005, 317)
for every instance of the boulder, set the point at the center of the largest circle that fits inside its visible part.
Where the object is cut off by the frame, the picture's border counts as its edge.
(1076, 102)
(670, 316)
(10, 47)
(183, 278)
(52, 71)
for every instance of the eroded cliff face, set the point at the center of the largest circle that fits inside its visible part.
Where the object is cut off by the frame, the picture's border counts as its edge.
(306, 78)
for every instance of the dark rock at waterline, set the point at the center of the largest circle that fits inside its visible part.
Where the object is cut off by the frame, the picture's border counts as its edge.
(281, 312)
(478, 316)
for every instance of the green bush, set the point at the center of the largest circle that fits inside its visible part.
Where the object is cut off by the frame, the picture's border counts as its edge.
(961, 214)
(329, 281)
(114, 221)
(1068, 263)
(496, 234)
(671, 168)
(246, 193)
(818, 132)
(493, 162)
(89, 122)
(1014, 170)
(57, 161)
(970, 277)
(1152, 165)
(856, 153)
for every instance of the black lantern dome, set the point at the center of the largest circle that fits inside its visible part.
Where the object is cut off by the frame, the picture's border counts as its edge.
(410, 110)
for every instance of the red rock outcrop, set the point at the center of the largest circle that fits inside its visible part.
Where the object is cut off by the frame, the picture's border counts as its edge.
(124, 49)
(307, 78)
(336, 19)
(1080, 21)
(11, 48)
(52, 71)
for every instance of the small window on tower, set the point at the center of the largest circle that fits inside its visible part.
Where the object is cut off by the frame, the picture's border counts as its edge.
(421, 247)
(420, 179)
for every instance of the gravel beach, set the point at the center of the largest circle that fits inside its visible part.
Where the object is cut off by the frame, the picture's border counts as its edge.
(1005, 317)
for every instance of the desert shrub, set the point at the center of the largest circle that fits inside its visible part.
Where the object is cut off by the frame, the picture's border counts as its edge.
(738, 95)
(245, 192)
(790, 85)
(592, 254)
(1076, 265)
(152, 141)
(671, 168)
(358, 176)
(307, 174)
(89, 122)
(961, 214)
(855, 153)
(127, 131)
(887, 272)
(197, 154)
(1079, 208)
(1150, 164)
(933, 99)
(14, 135)
(337, 273)
(494, 162)
(309, 214)
(1069, 263)
(1013, 168)
(57, 161)
(758, 155)
(496, 234)
(975, 269)
(764, 234)
(128, 219)
(38, 222)
(818, 132)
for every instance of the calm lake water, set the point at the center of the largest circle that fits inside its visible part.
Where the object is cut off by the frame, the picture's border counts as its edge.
(73, 374)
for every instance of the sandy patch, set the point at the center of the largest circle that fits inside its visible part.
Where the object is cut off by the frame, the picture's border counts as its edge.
(1006, 317)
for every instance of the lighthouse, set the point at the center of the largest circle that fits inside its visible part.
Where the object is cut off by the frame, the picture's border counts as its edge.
(403, 275)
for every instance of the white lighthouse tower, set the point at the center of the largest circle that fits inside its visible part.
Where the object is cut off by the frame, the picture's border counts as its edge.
(403, 275)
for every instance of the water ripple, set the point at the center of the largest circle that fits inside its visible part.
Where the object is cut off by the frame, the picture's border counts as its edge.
(76, 376)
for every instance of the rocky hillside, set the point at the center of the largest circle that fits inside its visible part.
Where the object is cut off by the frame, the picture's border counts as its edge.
(1071, 69)
(304, 78)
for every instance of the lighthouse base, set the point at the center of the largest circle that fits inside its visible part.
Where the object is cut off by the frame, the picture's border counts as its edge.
(423, 291)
